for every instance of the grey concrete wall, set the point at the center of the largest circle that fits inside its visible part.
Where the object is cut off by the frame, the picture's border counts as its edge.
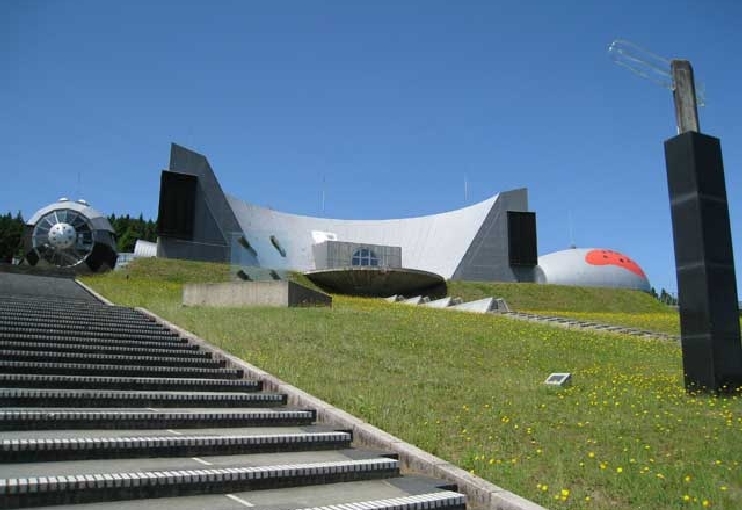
(171, 248)
(253, 294)
(187, 161)
(319, 253)
(300, 295)
(339, 254)
(206, 228)
(487, 258)
(214, 220)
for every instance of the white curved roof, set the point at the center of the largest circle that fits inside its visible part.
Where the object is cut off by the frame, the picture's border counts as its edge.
(435, 243)
(592, 267)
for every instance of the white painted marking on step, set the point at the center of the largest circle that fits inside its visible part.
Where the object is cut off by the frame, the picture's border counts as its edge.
(175, 432)
(202, 461)
(240, 500)
(150, 409)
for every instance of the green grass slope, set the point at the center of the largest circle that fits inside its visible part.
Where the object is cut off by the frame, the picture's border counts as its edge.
(539, 298)
(520, 296)
(174, 271)
(468, 388)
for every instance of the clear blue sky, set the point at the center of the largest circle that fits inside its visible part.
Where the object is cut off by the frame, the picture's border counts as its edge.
(394, 104)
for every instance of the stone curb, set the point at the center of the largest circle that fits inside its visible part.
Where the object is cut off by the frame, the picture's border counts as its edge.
(480, 493)
(94, 294)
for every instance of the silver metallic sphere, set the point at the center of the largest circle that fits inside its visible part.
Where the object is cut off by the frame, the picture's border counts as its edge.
(62, 236)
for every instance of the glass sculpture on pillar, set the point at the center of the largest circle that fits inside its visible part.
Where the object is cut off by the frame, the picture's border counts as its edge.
(704, 261)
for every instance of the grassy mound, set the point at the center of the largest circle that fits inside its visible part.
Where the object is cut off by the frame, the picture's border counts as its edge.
(520, 296)
(468, 388)
(539, 298)
(174, 271)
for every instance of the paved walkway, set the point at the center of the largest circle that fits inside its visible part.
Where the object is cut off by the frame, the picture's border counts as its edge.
(43, 287)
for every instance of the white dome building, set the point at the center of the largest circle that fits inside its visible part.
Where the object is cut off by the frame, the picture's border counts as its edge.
(591, 267)
(68, 234)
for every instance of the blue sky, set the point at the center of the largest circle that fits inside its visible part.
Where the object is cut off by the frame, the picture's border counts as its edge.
(393, 104)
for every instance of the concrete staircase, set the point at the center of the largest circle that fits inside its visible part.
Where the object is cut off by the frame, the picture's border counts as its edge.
(591, 325)
(101, 405)
(499, 306)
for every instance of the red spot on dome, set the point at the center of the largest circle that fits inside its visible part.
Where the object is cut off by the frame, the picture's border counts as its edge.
(613, 258)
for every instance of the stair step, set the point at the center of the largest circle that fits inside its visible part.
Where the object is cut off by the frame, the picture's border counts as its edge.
(9, 345)
(128, 383)
(169, 342)
(447, 500)
(387, 494)
(30, 300)
(91, 369)
(83, 329)
(91, 418)
(92, 332)
(111, 359)
(19, 492)
(61, 309)
(33, 298)
(60, 299)
(29, 320)
(67, 318)
(51, 309)
(43, 397)
(77, 467)
(24, 447)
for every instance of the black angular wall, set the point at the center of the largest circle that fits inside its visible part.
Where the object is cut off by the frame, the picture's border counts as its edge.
(214, 221)
(704, 262)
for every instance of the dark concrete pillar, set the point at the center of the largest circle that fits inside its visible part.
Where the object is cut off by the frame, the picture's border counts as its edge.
(707, 286)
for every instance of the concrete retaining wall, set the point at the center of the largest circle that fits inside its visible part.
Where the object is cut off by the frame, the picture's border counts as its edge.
(253, 294)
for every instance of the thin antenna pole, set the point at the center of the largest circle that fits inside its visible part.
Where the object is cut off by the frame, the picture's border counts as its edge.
(466, 189)
(323, 194)
(571, 232)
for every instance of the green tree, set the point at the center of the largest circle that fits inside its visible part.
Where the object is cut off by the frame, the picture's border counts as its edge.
(11, 236)
(667, 298)
(128, 230)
